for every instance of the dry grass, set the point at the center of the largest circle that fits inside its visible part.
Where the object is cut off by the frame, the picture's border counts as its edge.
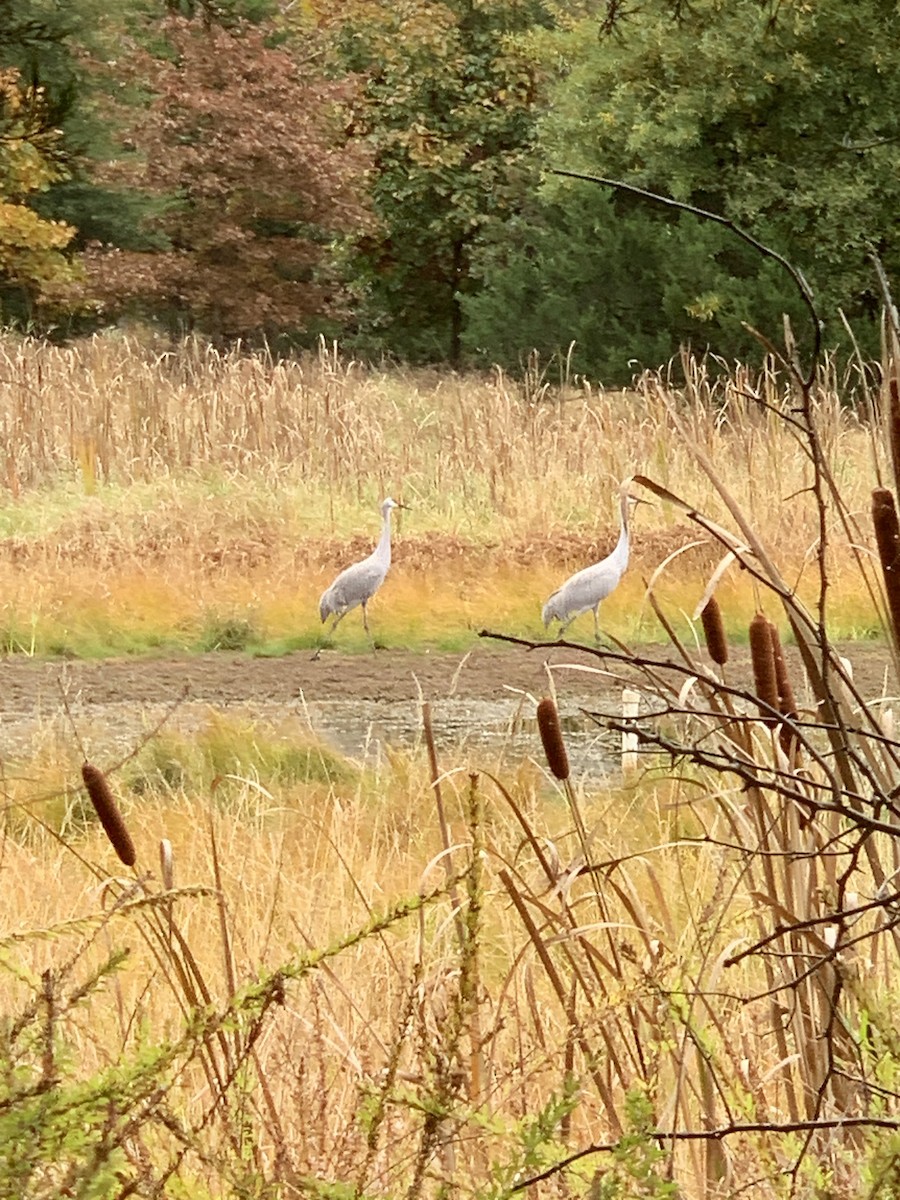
(297, 867)
(193, 481)
(619, 981)
(440, 978)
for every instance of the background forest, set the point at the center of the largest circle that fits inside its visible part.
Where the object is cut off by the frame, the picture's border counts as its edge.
(382, 173)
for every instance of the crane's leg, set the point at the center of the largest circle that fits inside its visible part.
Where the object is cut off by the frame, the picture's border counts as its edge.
(329, 630)
(597, 624)
(366, 625)
(338, 617)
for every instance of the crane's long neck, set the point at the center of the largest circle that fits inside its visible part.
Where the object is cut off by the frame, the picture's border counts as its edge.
(383, 549)
(620, 553)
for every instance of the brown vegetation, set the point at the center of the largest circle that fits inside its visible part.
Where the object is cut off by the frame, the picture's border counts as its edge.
(680, 975)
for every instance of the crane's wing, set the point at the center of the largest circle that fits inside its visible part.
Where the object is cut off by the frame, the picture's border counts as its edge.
(593, 584)
(582, 592)
(355, 585)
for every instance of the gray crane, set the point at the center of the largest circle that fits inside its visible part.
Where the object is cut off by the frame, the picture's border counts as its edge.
(357, 584)
(586, 589)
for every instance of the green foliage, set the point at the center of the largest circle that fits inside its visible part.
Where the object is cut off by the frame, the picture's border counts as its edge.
(224, 748)
(62, 1135)
(627, 289)
(779, 117)
(224, 632)
(449, 109)
(57, 51)
(639, 1166)
(539, 1141)
(883, 1168)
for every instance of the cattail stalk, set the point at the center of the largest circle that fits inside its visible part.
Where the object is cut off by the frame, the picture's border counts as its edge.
(714, 631)
(887, 539)
(106, 809)
(552, 739)
(762, 656)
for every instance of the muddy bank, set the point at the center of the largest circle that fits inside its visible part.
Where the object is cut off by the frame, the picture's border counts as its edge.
(352, 700)
(487, 671)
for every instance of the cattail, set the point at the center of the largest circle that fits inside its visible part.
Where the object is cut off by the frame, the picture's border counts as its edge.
(786, 702)
(887, 538)
(110, 818)
(714, 631)
(552, 739)
(893, 423)
(787, 705)
(762, 657)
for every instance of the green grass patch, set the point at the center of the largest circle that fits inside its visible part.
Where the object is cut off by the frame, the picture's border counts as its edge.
(400, 619)
(228, 632)
(227, 752)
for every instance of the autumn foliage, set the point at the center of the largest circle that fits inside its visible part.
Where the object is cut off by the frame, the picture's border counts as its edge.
(247, 146)
(30, 245)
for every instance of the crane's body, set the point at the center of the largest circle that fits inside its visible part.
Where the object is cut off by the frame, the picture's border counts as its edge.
(358, 583)
(587, 589)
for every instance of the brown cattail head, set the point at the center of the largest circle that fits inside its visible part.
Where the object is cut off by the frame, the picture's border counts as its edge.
(110, 818)
(893, 423)
(714, 631)
(786, 702)
(787, 705)
(762, 657)
(887, 538)
(552, 739)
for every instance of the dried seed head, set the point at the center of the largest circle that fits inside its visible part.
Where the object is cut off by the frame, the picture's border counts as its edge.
(763, 658)
(787, 705)
(887, 538)
(893, 423)
(167, 864)
(552, 739)
(786, 702)
(714, 631)
(110, 818)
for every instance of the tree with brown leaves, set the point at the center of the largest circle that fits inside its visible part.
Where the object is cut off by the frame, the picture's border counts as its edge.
(247, 147)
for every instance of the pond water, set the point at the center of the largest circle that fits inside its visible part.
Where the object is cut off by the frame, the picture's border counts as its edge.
(502, 731)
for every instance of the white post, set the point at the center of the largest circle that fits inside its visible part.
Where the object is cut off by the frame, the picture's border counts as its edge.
(630, 705)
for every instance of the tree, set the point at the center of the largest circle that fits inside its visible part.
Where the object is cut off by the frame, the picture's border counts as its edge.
(780, 116)
(31, 247)
(585, 278)
(247, 155)
(449, 108)
(63, 59)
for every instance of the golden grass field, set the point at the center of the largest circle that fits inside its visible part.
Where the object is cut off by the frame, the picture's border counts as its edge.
(434, 974)
(153, 496)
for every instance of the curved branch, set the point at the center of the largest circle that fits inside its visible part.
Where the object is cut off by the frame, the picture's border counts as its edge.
(797, 277)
